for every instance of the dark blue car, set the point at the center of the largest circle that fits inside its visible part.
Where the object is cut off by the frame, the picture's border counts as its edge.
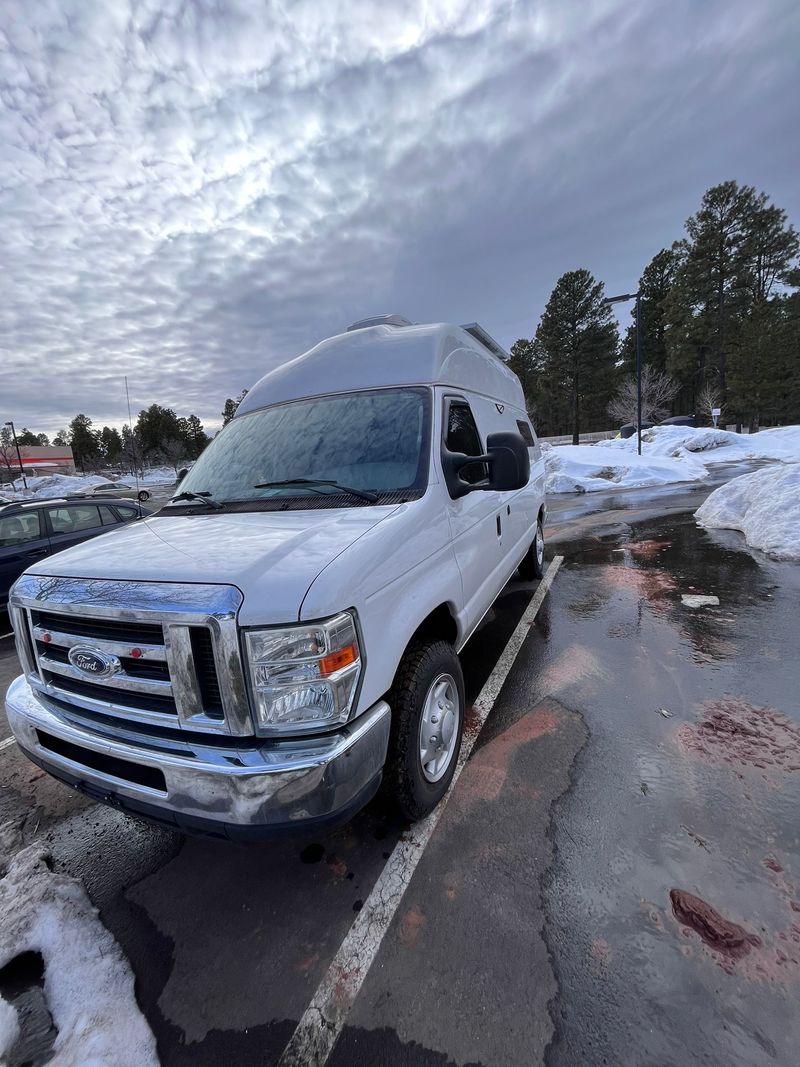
(31, 530)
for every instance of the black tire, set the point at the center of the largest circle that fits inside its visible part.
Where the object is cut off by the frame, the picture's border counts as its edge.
(405, 783)
(143, 495)
(532, 565)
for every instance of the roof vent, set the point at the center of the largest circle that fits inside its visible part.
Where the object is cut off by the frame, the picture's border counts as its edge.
(380, 320)
(486, 340)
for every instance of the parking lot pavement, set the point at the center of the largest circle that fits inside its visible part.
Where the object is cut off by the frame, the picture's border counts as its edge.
(613, 880)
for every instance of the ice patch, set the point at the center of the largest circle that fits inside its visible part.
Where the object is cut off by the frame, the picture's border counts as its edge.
(764, 505)
(88, 984)
(696, 600)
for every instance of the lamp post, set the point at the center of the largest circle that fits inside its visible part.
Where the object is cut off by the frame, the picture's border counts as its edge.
(19, 456)
(637, 298)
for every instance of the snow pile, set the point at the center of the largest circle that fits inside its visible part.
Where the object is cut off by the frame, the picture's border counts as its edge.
(47, 485)
(154, 476)
(88, 984)
(717, 446)
(764, 505)
(9, 1029)
(593, 468)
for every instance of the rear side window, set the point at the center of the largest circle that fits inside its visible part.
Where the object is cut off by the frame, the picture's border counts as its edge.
(462, 436)
(19, 529)
(127, 514)
(75, 518)
(109, 516)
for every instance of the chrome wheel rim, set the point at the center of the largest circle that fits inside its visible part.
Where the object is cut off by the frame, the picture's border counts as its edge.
(438, 728)
(539, 546)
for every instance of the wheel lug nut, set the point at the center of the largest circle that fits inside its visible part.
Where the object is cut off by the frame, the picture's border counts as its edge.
(434, 719)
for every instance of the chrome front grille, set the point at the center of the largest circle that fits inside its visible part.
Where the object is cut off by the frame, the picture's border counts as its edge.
(168, 654)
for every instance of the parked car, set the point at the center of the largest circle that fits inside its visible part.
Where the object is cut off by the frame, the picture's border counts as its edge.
(629, 429)
(285, 633)
(30, 531)
(122, 490)
(679, 420)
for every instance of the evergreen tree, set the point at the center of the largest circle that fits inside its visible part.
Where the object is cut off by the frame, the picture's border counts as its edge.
(231, 404)
(61, 438)
(154, 427)
(654, 288)
(738, 249)
(111, 445)
(193, 435)
(84, 441)
(577, 338)
(526, 362)
(27, 437)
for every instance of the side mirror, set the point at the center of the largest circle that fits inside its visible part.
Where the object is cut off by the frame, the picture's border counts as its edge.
(181, 475)
(508, 460)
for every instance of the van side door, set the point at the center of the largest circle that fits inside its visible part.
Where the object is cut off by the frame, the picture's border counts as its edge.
(475, 521)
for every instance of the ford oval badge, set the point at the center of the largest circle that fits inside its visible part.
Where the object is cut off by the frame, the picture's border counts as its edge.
(90, 661)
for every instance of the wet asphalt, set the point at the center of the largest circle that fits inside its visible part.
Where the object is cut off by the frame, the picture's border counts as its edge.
(616, 877)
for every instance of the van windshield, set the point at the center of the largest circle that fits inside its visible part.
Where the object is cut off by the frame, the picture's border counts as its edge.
(374, 442)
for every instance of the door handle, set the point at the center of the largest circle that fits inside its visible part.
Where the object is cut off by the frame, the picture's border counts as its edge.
(499, 527)
(36, 552)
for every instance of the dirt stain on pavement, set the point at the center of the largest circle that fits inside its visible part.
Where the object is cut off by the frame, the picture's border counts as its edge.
(410, 926)
(485, 774)
(732, 731)
(720, 934)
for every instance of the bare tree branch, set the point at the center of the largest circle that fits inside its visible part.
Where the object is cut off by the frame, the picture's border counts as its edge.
(658, 392)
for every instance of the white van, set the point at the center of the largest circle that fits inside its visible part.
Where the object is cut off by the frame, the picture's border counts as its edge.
(284, 634)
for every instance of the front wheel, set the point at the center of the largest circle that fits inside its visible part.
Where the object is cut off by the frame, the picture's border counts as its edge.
(532, 565)
(427, 702)
(144, 495)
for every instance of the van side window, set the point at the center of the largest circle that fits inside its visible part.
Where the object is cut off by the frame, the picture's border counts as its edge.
(526, 433)
(462, 436)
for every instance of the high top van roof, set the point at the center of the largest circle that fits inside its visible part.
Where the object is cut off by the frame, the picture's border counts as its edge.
(378, 357)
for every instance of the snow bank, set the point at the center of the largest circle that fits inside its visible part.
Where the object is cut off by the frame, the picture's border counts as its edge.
(669, 454)
(764, 505)
(593, 468)
(88, 984)
(9, 1029)
(716, 446)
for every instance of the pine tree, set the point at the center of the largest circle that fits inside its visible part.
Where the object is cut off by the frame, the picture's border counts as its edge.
(654, 288)
(577, 337)
(84, 441)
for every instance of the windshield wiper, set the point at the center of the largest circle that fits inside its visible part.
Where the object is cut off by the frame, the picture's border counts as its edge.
(203, 498)
(365, 494)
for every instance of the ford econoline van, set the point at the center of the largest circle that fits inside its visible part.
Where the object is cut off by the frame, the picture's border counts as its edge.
(285, 634)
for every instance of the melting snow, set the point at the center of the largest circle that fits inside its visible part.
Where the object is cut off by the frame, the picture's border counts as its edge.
(669, 454)
(88, 984)
(764, 505)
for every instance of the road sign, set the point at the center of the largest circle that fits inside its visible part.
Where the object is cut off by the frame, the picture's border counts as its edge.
(716, 412)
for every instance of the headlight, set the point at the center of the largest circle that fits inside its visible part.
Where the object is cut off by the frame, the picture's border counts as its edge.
(304, 676)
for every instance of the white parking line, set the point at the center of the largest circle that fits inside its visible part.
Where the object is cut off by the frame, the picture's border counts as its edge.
(323, 1020)
(9, 741)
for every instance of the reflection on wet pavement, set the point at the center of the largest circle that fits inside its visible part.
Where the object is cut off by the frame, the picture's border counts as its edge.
(671, 906)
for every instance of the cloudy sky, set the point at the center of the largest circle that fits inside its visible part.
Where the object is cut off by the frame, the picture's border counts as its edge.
(192, 191)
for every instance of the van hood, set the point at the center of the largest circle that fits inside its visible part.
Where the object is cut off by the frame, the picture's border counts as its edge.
(271, 557)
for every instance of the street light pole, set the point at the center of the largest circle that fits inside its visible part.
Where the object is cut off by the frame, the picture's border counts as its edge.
(19, 456)
(638, 298)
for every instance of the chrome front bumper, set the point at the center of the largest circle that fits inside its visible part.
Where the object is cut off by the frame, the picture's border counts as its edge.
(239, 790)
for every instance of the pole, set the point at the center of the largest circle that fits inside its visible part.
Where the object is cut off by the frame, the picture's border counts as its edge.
(19, 455)
(639, 371)
(133, 443)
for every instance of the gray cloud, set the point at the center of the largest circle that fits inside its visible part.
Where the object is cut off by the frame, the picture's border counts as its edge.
(192, 193)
